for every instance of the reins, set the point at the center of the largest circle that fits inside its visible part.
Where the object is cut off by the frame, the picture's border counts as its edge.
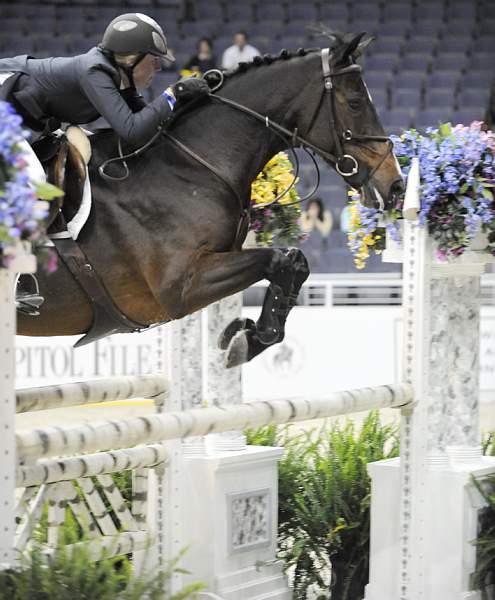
(291, 139)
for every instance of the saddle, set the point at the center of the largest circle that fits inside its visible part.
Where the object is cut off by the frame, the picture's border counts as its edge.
(65, 167)
(64, 159)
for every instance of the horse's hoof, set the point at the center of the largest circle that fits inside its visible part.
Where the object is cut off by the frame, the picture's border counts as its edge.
(232, 329)
(238, 350)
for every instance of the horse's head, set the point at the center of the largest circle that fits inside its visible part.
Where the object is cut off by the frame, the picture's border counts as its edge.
(347, 126)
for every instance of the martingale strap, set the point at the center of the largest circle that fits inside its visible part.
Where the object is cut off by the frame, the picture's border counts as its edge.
(107, 317)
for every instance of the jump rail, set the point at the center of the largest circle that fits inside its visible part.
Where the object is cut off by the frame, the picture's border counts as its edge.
(91, 392)
(90, 465)
(56, 441)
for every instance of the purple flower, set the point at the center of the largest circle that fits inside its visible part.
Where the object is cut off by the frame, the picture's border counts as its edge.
(457, 167)
(20, 212)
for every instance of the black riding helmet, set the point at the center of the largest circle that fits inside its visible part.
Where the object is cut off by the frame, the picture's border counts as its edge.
(135, 33)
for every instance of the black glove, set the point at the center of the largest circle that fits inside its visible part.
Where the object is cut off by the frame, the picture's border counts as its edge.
(133, 99)
(189, 89)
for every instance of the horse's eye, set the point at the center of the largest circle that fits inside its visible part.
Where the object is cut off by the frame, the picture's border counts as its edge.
(354, 104)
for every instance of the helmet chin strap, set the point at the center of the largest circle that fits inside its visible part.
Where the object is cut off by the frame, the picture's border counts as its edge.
(129, 71)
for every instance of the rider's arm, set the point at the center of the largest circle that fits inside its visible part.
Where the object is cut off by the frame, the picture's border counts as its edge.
(134, 128)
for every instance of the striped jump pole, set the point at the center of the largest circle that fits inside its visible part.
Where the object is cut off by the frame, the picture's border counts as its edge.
(105, 435)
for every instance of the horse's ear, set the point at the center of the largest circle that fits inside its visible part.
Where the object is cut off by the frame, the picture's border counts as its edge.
(349, 48)
(360, 50)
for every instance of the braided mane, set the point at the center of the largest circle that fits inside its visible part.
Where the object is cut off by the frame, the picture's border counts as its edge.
(268, 59)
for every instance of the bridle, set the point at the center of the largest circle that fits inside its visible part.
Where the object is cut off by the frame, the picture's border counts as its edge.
(345, 163)
(347, 135)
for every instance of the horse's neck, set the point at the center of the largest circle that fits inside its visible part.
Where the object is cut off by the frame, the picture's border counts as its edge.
(272, 91)
(236, 143)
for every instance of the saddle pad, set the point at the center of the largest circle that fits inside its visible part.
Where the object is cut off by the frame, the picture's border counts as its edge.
(75, 225)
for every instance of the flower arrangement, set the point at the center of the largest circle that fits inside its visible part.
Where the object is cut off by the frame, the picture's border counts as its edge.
(364, 235)
(456, 191)
(278, 222)
(23, 205)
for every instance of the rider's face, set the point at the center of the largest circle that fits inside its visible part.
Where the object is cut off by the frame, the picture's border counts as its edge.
(144, 72)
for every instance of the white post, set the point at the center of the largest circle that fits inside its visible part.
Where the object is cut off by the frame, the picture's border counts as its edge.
(228, 488)
(424, 508)
(416, 314)
(21, 263)
(223, 386)
(179, 358)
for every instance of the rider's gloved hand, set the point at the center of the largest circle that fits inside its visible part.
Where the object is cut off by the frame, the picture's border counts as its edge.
(189, 89)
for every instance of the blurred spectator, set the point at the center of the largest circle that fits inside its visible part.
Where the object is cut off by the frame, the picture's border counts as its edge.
(316, 217)
(204, 59)
(241, 51)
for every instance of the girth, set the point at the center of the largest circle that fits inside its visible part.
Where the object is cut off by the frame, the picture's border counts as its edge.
(107, 317)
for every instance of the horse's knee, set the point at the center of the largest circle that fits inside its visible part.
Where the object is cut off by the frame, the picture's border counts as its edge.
(299, 261)
(280, 266)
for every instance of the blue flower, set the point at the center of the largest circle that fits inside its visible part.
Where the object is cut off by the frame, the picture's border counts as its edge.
(457, 168)
(21, 214)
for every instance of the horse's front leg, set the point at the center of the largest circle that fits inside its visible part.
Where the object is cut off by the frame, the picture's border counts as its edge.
(213, 276)
(243, 339)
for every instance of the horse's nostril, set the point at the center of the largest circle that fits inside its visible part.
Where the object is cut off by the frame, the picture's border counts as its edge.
(397, 188)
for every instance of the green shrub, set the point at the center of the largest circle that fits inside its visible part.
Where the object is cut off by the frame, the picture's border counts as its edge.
(73, 575)
(69, 572)
(488, 444)
(484, 576)
(324, 495)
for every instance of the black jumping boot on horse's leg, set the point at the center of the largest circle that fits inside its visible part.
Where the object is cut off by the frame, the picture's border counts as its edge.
(302, 272)
(244, 343)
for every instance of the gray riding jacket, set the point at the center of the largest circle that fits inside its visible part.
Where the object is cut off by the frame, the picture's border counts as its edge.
(77, 90)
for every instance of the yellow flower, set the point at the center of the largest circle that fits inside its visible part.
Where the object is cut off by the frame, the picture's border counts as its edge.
(276, 177)
(189, 73)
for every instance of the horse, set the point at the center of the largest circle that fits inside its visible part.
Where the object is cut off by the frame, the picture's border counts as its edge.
(166, 241)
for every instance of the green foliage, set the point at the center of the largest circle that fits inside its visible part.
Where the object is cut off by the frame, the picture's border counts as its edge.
(324, 496)
(488, 444)
(73, 575)
(47, 191)
(484, 576)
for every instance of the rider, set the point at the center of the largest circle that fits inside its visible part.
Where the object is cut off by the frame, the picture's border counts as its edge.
(51, 91)
(102, 82)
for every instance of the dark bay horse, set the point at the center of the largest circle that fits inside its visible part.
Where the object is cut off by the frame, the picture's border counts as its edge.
(164, 240)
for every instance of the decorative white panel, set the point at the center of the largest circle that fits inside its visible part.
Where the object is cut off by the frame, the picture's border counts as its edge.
(249, 520)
